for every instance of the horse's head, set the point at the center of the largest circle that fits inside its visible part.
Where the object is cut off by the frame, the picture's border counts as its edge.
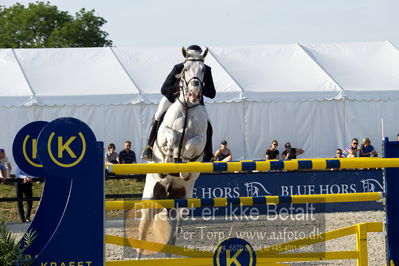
(192, 78)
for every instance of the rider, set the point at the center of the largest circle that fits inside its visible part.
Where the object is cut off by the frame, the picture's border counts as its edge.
(170, 91)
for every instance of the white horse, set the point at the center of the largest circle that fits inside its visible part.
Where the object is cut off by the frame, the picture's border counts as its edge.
(181, 138)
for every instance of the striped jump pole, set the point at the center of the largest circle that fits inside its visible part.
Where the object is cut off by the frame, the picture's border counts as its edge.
(242, 201)
(299, 164)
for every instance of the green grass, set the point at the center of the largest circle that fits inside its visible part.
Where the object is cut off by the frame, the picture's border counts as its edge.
(9, 210)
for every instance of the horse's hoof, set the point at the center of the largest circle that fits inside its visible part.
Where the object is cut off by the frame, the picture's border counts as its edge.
(147, 154)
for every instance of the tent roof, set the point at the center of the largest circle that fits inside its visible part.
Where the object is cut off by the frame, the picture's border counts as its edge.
(297, 72)
(365, 70)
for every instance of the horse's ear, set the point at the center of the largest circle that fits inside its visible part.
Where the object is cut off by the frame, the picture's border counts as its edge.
(205, 52)
(184, 52)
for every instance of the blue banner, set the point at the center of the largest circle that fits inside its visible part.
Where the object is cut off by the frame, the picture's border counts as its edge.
(294, 183)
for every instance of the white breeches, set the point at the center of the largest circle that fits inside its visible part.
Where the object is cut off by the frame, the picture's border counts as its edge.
(164, 104)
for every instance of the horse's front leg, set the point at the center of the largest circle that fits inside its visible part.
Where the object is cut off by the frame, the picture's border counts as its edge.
(167, 141)
(171, 145)
(193, 149)
(145, 221)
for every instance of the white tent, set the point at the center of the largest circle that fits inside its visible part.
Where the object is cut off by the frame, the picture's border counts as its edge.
(318, 97)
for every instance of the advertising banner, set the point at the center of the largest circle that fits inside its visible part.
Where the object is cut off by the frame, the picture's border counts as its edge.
(294, 183)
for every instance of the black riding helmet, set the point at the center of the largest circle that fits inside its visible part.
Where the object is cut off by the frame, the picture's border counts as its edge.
(194, 48)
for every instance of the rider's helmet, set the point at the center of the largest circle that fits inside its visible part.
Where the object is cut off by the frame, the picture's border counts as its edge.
(195, 48)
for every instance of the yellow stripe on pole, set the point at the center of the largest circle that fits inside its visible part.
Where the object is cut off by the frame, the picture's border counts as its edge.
(291, 165)
(234, 166)
(334, 198)
(220, 202)
(193, 203)
(319, 164)
(246, 201)
(263, 165)
(271, 200)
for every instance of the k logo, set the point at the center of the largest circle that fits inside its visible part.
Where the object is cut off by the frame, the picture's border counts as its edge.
(66, 146)
(66, 150)
(234, 251)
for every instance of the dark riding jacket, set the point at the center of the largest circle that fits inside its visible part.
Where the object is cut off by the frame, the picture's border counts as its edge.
(170, 88)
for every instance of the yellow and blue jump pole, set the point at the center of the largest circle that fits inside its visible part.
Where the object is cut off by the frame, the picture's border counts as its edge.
(242, 201)
(215, 167)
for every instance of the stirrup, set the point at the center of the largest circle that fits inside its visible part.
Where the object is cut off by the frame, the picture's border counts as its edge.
(147, 154)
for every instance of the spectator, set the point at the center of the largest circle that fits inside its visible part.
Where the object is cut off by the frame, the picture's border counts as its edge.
(223, 154)
(5, 166)
(23, 186)
(127, 156)
(338, 154)
(111, 156)
(272, 152)
(397, 137)
(367, 150)
(291, 153)
(353, 149)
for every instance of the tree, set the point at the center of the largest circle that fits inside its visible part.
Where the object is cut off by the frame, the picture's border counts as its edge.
(44, 25)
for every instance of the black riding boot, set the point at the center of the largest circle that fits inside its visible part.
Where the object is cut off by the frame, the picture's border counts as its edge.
(152, 136)
(208, 154)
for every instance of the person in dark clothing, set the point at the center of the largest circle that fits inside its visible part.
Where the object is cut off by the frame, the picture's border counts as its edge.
(170, 91)
(272, 152)
(291, 153)
(223, 154)
(23, 187)
(127, 155)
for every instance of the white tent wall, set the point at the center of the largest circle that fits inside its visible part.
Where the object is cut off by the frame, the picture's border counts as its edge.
(228, 123)
(313, 126)
(363, 119)
(13, 119)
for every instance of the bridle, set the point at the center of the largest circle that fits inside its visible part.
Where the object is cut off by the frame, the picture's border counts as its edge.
(184, 83)
(184, 90)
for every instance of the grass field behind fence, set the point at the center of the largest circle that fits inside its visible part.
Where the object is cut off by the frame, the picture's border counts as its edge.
(10, 212)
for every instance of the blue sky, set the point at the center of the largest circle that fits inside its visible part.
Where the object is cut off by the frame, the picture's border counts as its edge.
(241, 22)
